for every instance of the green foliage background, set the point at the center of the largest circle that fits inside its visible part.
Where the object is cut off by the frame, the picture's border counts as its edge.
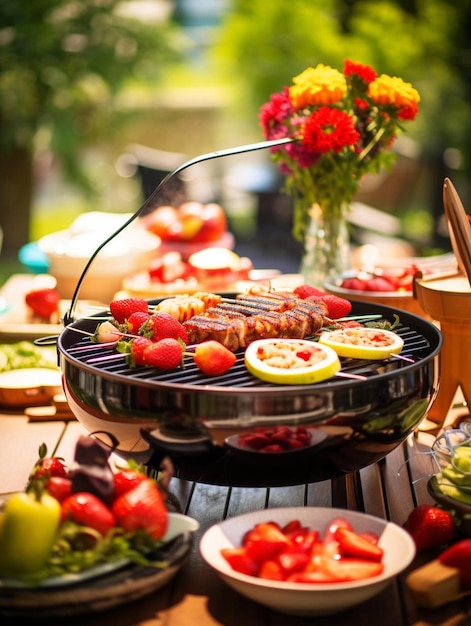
(264, 44)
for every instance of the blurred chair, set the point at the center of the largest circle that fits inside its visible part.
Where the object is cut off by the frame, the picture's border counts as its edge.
(150, 166)
(199, 182)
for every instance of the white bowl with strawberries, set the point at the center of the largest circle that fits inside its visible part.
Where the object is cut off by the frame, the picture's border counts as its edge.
(307, 561)
(388, 286)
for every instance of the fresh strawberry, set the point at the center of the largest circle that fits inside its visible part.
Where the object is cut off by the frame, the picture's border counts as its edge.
(293, 526)
(59, 487)
(142, 508)
(379, 283)
(340, 570)
(459, 556)
(240, 561)
(122, 310)
(86, 509)
(299, 554)
(136, 320)
(335, 524)
(49, 466)
(163, 326)
(372, 537)
(354, 545)
(125, 480)
(43, 302)
(271, 570)
(138, 345)
(430, 527)
(292, 561)
(305, 291)
(265, 541)
(166, 354)
(354, 283)
(213, 359)
(337, 307)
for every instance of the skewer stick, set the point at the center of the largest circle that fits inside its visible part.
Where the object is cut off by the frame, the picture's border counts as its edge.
(402, 357)
(109, 357)
(366, 318)
(354, 376)
(118, 333)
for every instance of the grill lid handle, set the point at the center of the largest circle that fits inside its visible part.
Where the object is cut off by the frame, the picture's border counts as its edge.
(149, 202)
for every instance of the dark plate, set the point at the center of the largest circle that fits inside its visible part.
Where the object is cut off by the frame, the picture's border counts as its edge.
(102, 587)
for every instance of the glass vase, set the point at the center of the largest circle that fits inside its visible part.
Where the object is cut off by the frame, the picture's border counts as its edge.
(326, 247)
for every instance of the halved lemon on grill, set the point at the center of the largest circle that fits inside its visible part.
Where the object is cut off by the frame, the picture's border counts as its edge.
(363, 343)
(291, 361)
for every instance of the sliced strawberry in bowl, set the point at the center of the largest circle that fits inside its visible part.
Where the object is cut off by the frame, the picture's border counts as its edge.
(306, 574)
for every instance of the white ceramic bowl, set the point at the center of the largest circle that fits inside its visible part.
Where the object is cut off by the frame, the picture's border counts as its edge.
(68, 252)
(405, 300)
(300, 598)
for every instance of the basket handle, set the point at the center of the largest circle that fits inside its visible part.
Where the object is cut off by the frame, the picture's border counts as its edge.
(69, 315)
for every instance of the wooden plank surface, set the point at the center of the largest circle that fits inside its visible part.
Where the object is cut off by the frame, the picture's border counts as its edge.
(197, 595)
(389, 489)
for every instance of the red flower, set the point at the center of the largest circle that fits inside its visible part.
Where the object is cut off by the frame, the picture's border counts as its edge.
(341, 123)
(408, 112)
(364, 72)
(276, 111)
(329, 129)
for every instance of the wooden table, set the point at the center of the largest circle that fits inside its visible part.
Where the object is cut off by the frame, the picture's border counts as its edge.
(196, 596)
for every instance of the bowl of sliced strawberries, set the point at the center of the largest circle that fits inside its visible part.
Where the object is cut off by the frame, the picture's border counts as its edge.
(389, 286)
(307, 561)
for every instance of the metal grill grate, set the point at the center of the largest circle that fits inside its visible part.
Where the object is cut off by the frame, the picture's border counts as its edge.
(105, 361)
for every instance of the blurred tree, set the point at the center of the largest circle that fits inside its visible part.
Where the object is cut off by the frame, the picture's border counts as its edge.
(63, 64)
(263, 45)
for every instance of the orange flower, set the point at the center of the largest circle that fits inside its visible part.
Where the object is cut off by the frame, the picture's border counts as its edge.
(317, 86)
(392, 91)
(342, 125)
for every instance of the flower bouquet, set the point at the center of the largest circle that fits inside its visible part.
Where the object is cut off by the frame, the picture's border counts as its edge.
(343, 126)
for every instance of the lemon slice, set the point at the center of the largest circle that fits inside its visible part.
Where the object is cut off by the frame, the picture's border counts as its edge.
(363, 343)
(291, 361)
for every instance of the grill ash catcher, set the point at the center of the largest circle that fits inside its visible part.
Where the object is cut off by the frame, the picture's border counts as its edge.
(196, 420)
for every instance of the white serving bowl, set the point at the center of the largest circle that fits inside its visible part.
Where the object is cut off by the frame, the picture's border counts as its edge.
(402, 300)
(68, 252)
(307, 599)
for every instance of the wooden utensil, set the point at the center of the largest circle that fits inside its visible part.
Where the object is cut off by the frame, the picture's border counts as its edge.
(459, 227)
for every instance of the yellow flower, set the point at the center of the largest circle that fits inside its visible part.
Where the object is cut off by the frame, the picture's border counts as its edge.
(321, 85)
(392, 90)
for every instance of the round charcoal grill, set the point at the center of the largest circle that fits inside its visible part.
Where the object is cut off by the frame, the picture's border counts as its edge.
(354, 419)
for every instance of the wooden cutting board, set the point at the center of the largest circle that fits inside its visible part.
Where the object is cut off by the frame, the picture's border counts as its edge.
(16, 321)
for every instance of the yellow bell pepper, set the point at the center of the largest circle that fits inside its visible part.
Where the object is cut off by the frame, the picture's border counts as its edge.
(27, 533)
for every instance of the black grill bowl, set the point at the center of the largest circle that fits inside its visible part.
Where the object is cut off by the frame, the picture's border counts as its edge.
(190, 417)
